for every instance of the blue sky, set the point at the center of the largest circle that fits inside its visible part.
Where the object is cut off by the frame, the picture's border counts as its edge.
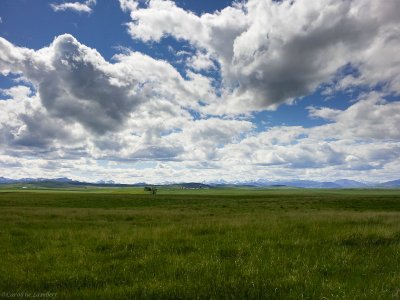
(163, 91)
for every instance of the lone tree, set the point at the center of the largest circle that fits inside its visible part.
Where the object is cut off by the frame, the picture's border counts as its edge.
(152, 190)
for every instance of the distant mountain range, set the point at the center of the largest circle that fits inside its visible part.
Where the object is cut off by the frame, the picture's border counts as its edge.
(60, 182)
(342, 183)
(337, 184)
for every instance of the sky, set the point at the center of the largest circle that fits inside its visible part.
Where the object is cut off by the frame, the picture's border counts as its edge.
(164, 91)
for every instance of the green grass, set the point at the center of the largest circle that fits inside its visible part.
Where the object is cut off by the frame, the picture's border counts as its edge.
(204, 244)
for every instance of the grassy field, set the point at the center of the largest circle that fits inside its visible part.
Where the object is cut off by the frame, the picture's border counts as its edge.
(204, 244)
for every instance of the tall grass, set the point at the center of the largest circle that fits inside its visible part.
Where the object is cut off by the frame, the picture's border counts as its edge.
(224, 245)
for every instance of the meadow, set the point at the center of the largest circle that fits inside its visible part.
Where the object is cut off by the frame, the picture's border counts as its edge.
(200, 244)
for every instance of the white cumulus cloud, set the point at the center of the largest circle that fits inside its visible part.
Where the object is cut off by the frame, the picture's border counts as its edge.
(136, 118)
(85, 6)
(275, 51)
